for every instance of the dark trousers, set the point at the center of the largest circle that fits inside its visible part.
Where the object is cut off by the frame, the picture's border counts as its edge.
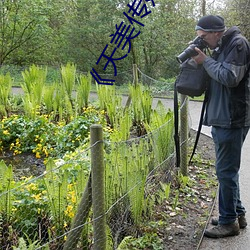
(228, 145)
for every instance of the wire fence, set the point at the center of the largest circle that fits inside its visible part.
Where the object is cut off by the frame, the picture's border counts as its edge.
(56, 210)
(43, 209)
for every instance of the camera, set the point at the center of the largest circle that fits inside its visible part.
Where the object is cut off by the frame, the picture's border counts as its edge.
(190, 51)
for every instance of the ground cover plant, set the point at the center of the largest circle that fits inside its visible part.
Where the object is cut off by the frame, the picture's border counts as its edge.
(144, 192)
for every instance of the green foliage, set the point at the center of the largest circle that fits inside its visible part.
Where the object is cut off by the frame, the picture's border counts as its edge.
(141, 103)
(161, 126)
(110, 102)
(126, 172)
(164, 191)
(33, 85)
(68, 74)
(48, 98)
(5, 90)
(122, 126)
(23, 25)
(56, 183)
(29, 245)
(127, 160)
(43, 137)
(45, 32)
(83, 91)
(30, 206)
(6, 184)
(147, 241)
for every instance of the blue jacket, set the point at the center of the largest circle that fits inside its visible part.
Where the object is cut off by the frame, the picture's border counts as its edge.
(228, 103)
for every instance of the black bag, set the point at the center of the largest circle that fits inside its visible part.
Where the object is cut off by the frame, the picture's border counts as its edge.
(192, 80)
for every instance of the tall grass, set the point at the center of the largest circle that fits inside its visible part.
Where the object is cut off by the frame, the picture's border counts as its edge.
(5, 90)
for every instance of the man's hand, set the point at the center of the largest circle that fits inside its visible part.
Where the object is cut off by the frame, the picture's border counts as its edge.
(200, 58)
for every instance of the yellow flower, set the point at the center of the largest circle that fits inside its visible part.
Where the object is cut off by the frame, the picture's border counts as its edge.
(6, 132)
(38, 156)
(37, 196)
(14, 209)
(31, 187)
(73, 199)
(103, 112)
(69, 211)
(12, 145)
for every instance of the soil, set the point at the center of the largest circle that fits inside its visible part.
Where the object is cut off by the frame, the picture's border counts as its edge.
(25, 164)
(186, 223)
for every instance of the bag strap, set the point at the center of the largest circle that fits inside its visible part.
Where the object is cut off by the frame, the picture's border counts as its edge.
(199, 127)
(176, 126)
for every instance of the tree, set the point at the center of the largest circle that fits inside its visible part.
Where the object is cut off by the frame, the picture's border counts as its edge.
(237, 12)
(21, 21)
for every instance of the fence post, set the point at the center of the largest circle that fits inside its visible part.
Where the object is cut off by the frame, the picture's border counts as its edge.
(98, 195)
(135, 74)
(135, 77)
(184, 135)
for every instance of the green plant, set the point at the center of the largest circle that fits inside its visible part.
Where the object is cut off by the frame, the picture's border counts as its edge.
(5, 90)
(147, 241)
(111, 103)
(83, 91)
(161, 128)
(176, 199)
(56, 187)
(164, 191)
(48, 98)
(45, 138)
(126, 172)
(141, 103)
(6, 196)
(184, 181)
(34, 81)
(123, 124)
(28, 244)
(68, 74)
(30, 208)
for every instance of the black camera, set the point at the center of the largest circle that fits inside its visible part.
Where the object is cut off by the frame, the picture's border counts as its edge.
(190, 51)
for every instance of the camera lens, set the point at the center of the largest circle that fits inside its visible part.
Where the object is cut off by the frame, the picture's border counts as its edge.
(187, 53)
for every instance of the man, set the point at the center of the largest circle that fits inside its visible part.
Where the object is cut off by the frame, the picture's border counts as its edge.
(228, 112)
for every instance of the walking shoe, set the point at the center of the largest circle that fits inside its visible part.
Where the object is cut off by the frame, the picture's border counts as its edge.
(241, 219)
(221, 231)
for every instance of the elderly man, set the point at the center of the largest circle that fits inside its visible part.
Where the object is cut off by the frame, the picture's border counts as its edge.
(228, 112)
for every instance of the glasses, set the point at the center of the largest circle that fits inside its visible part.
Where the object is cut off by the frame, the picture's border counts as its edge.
(204, 35)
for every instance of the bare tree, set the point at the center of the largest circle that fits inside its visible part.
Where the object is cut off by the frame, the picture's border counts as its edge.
(20, 22)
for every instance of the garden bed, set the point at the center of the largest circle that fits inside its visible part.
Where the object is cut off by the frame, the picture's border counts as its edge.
(179, 221)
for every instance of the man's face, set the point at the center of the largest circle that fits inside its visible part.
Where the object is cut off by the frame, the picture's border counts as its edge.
(211, 38)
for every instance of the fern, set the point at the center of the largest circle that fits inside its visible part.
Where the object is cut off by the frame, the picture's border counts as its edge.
(56, 185)
(33, 86)
(83, 91)
(68, 74)
(6, 184)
